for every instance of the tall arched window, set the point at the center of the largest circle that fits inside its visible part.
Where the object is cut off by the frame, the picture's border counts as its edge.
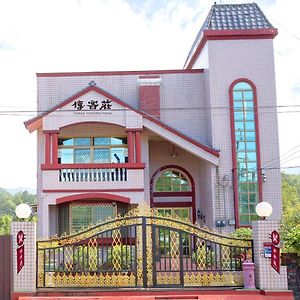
(245, 151)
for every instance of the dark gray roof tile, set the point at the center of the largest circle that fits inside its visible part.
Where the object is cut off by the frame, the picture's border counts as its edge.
(233, 17)
(236, 17)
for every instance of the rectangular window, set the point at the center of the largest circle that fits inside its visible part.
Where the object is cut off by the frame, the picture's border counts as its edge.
(83, 216)
(84, 150)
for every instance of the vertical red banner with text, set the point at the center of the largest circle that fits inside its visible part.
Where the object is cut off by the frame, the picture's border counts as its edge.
(20, 251)
(20, 258)
(275, 258)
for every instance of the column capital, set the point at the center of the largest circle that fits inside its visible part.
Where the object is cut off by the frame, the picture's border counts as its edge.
(133, 129)
(50, 131)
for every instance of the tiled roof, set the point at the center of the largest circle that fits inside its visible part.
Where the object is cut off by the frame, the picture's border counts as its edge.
(236, 17)
(232, 17)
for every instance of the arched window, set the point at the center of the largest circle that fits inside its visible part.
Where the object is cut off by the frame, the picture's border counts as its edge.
(246, 162)
(172, 181)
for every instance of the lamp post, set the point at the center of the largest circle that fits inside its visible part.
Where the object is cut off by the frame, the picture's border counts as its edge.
(264, 209)
(23, 251)
(23, 211)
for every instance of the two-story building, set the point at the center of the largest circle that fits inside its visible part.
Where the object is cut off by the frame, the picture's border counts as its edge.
(192, 142)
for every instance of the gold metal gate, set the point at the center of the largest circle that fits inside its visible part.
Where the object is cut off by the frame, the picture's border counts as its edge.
(142, 249)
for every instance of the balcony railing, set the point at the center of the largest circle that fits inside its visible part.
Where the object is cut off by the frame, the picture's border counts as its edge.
(92, 175)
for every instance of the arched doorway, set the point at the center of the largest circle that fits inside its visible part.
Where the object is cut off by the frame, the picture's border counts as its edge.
(172, 191)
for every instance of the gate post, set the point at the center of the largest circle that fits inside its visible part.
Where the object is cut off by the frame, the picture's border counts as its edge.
(144, 243)
(266, 277)
(24, 256)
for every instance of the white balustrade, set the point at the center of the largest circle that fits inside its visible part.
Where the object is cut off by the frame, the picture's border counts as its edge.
(90, 175)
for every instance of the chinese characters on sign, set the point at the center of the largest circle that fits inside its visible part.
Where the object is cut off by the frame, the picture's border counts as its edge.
(275, 237)
(275, 251)
(20, 251)
(92, 105)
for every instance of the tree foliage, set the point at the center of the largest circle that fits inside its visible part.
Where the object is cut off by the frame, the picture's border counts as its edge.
(242, 233)
(8, 203)
(290, 228)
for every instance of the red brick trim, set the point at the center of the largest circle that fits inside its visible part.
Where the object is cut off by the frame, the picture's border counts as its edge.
(172, 204)
(90, 196)
(92, 190)
(149, 99)
(54, 148)
(149, 76)
(133, 129)
(138, 151)
(130, 142)
(116, 73)
(50, 131)
(245, 34)
(171, 293)
(172, 194)
(90, 122)
(47, 148)
(93, 166)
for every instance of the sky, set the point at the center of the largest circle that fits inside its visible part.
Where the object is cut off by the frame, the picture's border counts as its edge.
(105, 35)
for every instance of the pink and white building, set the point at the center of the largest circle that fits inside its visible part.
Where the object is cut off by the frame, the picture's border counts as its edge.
(192, 142)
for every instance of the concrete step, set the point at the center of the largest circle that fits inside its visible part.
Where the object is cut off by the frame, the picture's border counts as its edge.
(160, 295)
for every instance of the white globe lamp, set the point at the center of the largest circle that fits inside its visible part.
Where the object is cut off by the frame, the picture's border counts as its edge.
(264, 209)
(23, 211)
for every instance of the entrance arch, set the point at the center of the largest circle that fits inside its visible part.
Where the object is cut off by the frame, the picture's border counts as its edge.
(168, 184)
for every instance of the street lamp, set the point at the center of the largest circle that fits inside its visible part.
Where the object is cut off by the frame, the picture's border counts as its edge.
(23, 211)
(264, 209)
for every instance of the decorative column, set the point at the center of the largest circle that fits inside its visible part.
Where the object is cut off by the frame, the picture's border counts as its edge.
(130, 140)
(266, 277)
(24, 256)
(47, 148)
(138, 158)
(54, 148)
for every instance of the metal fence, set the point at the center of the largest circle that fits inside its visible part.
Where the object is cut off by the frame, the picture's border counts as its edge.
(142, 249)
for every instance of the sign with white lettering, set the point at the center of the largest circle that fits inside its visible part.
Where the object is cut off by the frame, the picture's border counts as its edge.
(275, 237)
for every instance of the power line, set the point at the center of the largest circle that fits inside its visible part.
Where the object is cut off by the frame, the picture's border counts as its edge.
(213, 109)
(281, 157)
(162, 108)
(287, 30)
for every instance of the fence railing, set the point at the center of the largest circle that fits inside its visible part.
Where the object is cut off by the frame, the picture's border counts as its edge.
(90, 175)
(142, 250)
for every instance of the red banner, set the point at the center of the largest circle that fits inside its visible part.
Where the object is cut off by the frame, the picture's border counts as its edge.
(20, 259)
(275, 258)
(275, 237)
(20, 251)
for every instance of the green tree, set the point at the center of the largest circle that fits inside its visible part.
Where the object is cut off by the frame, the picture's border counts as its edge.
(5, 221)
(242, 233)
(8, 203)
(291, 218)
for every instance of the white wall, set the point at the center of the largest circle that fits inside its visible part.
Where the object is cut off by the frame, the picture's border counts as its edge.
(252, 59)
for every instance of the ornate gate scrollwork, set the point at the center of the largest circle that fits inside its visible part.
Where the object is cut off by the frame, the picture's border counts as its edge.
(142, 249)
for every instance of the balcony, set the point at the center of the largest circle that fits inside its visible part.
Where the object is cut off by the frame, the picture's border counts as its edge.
(90, 175)
(93, 176)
